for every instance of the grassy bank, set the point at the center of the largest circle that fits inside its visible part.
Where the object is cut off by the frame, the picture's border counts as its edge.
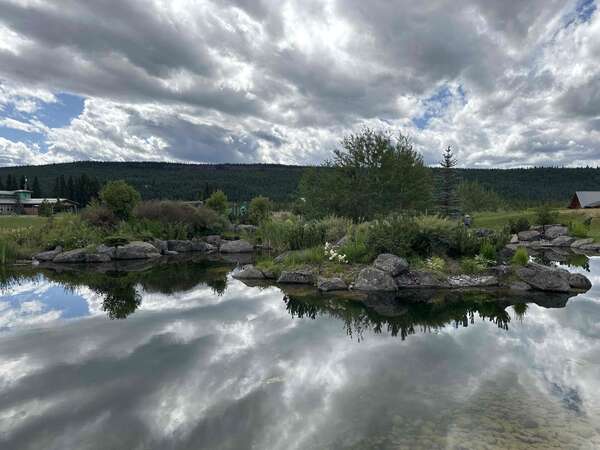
(15, 222)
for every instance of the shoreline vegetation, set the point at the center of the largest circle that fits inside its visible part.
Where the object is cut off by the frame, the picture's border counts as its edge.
(357, 226)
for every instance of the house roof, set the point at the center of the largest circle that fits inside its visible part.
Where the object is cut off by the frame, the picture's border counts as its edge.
(588, 199)
(33, 201)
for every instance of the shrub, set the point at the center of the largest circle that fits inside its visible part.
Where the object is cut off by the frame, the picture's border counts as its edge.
(218, 202)
(336, 228)
(463, 242)
(70, 231)
(120, 197)
(113, 241)
(396, 235)
(544, 215)
(435, 263)
(433, 236)
(355, 246)
(45, 209)
(313, 255)
(488, 251)
(521, 257)
(578, 229)
(99, 216)
(517, 225)
(259, 210)
(472, 265)
(334, 255)
(176, 219)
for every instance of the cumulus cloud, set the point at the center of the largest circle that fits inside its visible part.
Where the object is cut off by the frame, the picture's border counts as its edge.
(267, 81)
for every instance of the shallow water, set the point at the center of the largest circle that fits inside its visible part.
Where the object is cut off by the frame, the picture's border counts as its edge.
(182, 356)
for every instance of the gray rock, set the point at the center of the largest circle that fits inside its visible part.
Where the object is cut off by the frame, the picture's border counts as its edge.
(590, 248)
(137, 250)
(483, 232)
(579, 281)
(343, 241)
(540, 244)
(269, 274)
(331, 284)
(467, 281)
(562, 241)
(245, 228)
(296, 277)
(501, 270)
(392, 264)
(213, 239)
(249, 272)
(106, 250)
(162, 246)
(179, 246)
(529, 235)
(544, 278)
(581, 242)
(49, 255)
(78, 255)
(514, 239)
(281, 258)
(372, 279)
(199, 246)
(240, 246)
(170, 253)
(553, 231)
(420, 279)
(97, 258)
(210, 248)
(520, 286)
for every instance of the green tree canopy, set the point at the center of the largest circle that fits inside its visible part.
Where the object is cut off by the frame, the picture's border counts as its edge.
(218, 202)
(120, 197)
(373, 173)
(473, 197)
(259, 210)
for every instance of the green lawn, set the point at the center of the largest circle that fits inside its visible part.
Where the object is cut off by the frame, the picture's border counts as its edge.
(12, 222)
(497, 220)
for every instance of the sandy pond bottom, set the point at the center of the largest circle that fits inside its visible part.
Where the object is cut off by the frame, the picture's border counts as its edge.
(182, 356)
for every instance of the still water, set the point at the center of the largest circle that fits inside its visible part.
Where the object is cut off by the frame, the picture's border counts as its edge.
(182, 356)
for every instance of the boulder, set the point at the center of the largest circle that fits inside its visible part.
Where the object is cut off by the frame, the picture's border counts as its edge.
(469, 281)
(579, 282)
(520, 286)
(106, 250)
(544, 278)
(331, 284)
(78, 255)
(392, 264)
(554, 231)
(373, 279)
(213, 239)
(211, 248)
(581, 242)
(239, 246)
(49, 255)
(296, 277)
(81, 255)
(483, 232)
(199, 246)
(420, 279)
(529, 235)
(514, 239)
(179, 246)
(590, 248)
(170, 253)
(249, 272)
(562, 241)
(162, 246)
(136, 250)
(269, 274)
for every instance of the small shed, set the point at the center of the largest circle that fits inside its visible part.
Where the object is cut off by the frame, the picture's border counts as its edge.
(585, 199)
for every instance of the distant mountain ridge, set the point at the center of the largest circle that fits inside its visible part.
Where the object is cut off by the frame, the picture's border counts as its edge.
(280, 182)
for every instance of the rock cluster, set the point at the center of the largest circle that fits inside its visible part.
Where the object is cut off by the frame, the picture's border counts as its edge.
(551, 236)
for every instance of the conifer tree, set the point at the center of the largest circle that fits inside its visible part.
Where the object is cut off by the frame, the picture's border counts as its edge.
(35, 188)
(447, 198)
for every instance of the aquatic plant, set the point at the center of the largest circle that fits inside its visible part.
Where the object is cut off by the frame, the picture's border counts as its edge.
(521, 257)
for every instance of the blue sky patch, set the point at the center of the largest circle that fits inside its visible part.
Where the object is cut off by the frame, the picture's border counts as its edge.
(437, 104)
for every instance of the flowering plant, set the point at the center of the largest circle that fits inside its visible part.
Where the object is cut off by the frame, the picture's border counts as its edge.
(332, 254)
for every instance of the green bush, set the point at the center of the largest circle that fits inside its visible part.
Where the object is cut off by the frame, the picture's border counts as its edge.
(295, 234)
(472, 265)
(259, 210)
(521, 257)
(218, 202)
(488, 250)
(120, 198)
(545, 215)
(113, 241)
(517, 225)
(175, 220)
(313, 255)
(435, 263)
(70, 232)
(395, 235)
(463, 242)
(578, 229)
(336, 228)
(355, 246)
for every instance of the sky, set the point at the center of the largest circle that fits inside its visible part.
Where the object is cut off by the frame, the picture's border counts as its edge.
(506, 83)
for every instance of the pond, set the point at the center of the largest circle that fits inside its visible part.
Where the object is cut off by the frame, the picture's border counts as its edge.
(182, 356)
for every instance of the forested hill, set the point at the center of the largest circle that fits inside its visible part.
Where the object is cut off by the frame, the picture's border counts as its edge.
(279, 182)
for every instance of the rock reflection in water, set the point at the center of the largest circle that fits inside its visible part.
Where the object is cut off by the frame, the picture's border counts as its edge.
(415, 311)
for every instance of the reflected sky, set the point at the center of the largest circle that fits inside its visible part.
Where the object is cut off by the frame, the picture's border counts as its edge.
(230, 368)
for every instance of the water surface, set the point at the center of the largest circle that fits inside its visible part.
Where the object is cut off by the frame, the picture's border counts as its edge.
(182, 356)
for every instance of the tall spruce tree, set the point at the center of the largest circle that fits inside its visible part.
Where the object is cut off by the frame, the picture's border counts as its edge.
(448, 182)
(35, 188)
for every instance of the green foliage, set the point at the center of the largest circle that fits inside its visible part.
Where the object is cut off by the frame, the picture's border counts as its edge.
(472, 265)
(473, 197)
(435, 263)
(488, 250)
(395, 235)
(218, 202)
(114, 240)
(361, 180)
(463, 242)
(578, 229)
(521, 257)
(447, 180)
(355, 246)
(312, 255)
(45, 209)
(120, 198)
(519, 224)
(259, 210)
(545, 215)
(70, 232)
(100, 216)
